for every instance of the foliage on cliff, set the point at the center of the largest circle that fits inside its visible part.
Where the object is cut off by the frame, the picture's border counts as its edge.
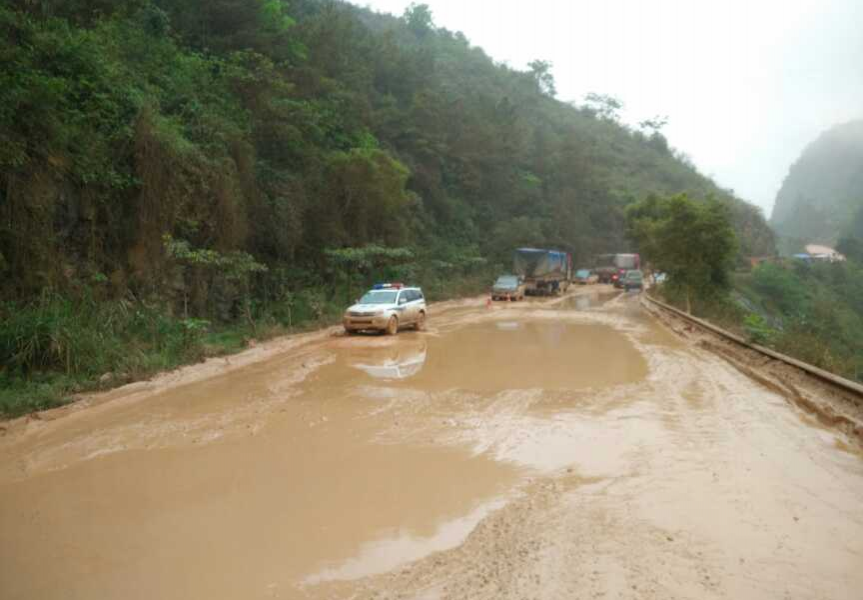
(282, 130)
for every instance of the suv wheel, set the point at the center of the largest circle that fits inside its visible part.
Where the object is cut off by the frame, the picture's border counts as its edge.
(392, 326)
(421, 321)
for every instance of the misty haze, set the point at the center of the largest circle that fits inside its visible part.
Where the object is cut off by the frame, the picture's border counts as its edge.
(318, 299)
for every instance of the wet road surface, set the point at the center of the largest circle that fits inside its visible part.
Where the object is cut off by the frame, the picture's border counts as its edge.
(568, 448)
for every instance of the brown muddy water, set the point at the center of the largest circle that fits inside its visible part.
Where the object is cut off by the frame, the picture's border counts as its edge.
(546, 449)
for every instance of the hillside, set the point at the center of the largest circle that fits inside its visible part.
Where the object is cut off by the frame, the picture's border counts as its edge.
(169, 167)
(823, 191)
(280, 130)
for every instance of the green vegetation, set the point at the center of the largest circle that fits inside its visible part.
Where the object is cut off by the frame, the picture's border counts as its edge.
(53, 346)
(812, 312)
(851, 242)
(691, 242)
(823, 191)
(236, 168)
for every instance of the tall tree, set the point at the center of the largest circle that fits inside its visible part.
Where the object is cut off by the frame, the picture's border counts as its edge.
(541, 71)
(419, 19)
(691, 241)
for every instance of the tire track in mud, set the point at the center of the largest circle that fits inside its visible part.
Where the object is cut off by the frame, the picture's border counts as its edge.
(169, 420)
(593, 530)
(681, 478)
(558, 537)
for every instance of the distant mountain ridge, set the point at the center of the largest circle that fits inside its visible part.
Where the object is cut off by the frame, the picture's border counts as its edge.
(823, 190)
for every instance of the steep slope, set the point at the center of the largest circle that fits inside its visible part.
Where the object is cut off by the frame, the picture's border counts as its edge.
(824, 189)
(261, 129)
(178, 176)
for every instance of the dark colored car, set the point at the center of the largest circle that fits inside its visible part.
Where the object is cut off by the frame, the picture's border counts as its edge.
(632, 280)
(508, 287)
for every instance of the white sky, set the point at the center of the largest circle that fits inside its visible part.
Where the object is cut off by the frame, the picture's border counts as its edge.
(746, 84)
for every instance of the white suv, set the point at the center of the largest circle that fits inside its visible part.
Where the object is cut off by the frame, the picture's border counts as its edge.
(387, 307)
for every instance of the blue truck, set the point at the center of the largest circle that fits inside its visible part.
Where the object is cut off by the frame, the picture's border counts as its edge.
(545, 272)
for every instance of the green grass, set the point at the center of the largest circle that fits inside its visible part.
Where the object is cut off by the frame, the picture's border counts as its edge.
(56, 347)
(19, 396)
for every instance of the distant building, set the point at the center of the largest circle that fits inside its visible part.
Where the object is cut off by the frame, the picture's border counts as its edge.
(823, 253)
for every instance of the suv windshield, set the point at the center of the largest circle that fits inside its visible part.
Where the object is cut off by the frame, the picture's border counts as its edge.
(379, 297)
(507, 281)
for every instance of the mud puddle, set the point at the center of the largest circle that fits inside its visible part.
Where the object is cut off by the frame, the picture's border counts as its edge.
(504, 353)
(695, 482)
(337, 462)
(511, 452)
(588, 297)
(239, 519)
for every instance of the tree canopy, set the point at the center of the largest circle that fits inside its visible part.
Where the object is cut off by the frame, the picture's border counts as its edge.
(280, 129)
(692, 242)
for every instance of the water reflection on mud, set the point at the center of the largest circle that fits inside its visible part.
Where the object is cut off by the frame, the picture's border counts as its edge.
(396, 361)
(496, 355)
(589, 298)
(363, 456)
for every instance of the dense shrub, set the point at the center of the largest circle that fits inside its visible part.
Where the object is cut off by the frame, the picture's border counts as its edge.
(811, 311)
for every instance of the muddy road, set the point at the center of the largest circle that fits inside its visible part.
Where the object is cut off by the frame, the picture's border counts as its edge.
(572, 448)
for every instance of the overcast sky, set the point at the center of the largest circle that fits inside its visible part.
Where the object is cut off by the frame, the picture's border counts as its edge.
(746, 84)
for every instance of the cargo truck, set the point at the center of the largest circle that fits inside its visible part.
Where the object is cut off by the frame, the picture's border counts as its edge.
(545, 272)
(610, 267)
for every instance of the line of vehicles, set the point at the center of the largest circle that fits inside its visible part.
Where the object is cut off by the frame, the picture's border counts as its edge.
(538, 272)
(388, 307)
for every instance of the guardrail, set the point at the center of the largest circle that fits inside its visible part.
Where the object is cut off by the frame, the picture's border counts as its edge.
(845, 384)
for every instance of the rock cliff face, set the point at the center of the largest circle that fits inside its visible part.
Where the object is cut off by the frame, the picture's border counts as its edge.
(823, 190)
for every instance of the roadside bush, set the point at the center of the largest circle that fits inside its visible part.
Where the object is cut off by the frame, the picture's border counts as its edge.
(57, 334)
(813, 312)
(781, 287)
(800, 342)
(58, 345)
(758, 330)
(717, 307)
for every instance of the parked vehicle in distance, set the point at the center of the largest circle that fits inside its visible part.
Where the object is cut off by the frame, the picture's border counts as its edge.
(632, 280)
(387, 307)
(585, 277)
(508, 287)
(545, 272)
(611, 267)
